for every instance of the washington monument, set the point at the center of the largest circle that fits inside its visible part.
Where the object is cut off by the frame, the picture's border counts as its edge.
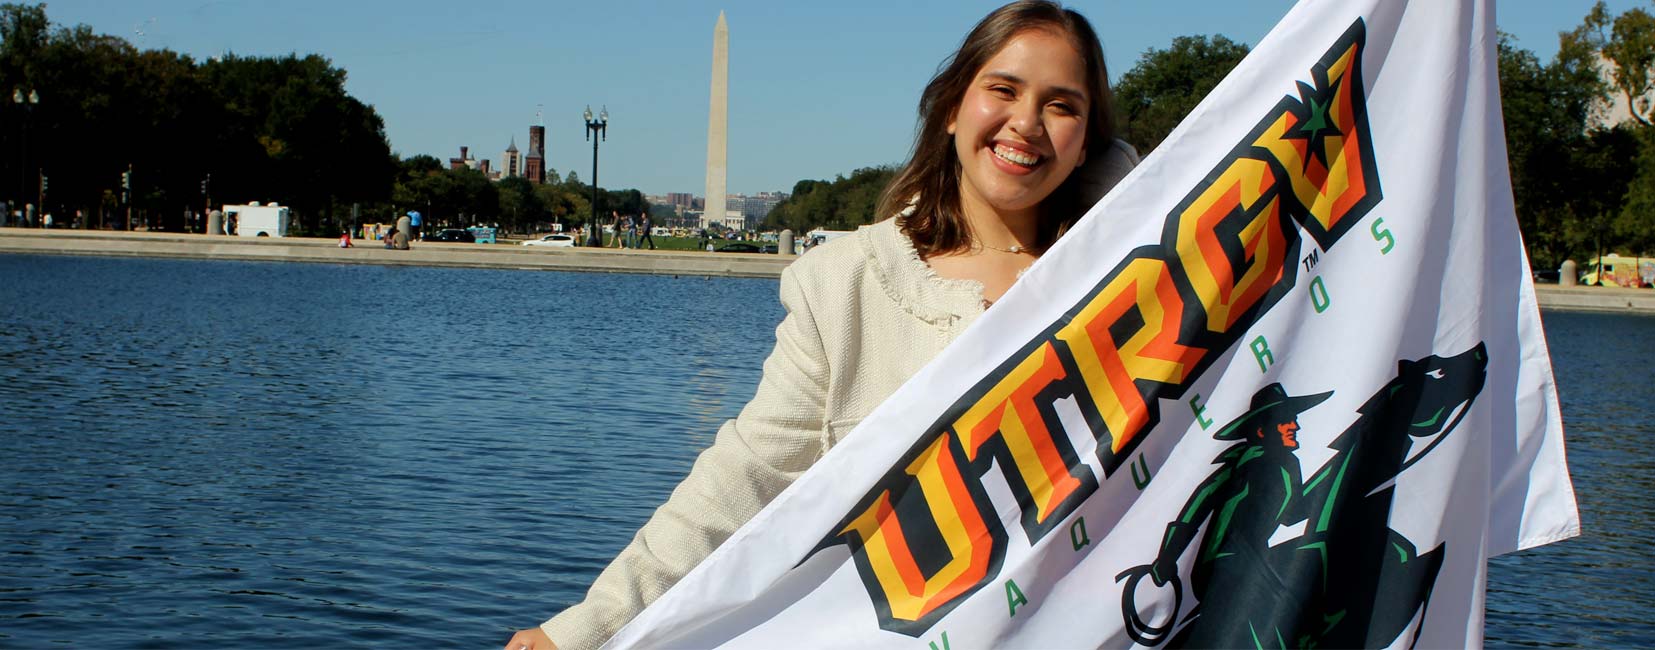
(717, 121)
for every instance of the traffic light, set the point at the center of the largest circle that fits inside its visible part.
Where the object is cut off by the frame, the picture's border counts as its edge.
(126, 180)
(42, 183)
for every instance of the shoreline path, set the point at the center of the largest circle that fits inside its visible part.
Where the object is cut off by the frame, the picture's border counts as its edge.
(327, 251)
(533, 258)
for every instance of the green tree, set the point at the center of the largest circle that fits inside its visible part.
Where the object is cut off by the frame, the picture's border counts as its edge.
(321, 147)
(267, 129)
(1627, 43)
(841, 204)
(1634, 226)
(563, 202)
(1546, 110)
(418, 183)
(1165, 85)
(520, 204)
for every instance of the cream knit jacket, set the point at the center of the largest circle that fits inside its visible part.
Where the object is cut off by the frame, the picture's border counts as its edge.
(864, 313)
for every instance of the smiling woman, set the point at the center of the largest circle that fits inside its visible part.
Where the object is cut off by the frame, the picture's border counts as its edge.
(1018, 132)
(1015, 142)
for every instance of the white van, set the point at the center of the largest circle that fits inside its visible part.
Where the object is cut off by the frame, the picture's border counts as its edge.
(821, 236)
(255, 220)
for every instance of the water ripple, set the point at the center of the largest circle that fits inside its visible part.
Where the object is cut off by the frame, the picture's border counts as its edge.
(295, 456)
(298, 456)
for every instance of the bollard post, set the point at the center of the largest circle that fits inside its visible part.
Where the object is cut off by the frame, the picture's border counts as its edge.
(785, 246)
(215, 222)
(1566, 274)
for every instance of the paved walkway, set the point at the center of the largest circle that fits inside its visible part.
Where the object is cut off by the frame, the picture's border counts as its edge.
(512, 256)
(327, 251)
(1580, 298)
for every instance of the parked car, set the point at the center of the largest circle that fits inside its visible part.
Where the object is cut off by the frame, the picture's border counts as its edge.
(738, 247)
(451, 235)
(555, 241)
(771, 249)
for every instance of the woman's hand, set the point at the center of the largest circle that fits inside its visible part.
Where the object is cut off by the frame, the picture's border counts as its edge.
(531, 639)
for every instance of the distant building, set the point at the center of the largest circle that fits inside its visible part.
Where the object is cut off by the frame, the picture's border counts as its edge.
(534, 165)
(534, 168)
(658, 199)
(758, 206)
(733, 219)
(465, 161)
(1615, 111)
(753, 208)
(684, 201)
(511, 164)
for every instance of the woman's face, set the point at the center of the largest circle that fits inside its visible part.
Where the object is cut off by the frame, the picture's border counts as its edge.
(1021, 126)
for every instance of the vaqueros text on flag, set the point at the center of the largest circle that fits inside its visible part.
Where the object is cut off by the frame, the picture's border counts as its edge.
(1285, 386)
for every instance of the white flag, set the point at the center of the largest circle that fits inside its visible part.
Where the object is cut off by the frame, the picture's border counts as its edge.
(1285, 386)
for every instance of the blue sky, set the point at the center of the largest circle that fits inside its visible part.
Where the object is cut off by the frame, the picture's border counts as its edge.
(817, 89)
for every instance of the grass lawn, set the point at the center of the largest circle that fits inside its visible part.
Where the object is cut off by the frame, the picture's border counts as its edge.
(662, 243)
(680, 243)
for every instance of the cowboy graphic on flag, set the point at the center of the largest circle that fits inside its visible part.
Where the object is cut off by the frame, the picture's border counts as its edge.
(1252, 592)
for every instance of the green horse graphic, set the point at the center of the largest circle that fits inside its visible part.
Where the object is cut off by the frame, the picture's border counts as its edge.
(1349, 580)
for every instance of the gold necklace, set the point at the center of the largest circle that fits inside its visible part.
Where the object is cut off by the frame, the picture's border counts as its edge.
(1015, 248)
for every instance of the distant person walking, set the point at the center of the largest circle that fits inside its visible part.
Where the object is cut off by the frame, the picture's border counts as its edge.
(617, 227)
(646, 226)
(414, 221)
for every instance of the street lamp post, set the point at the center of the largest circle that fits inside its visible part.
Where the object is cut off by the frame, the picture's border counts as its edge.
(600, 126)
(207, 196)
(27, 102)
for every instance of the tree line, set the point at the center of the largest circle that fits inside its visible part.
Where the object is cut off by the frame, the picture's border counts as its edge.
(1583, 183)
(463, 197)
(176, 132)
(114, 128)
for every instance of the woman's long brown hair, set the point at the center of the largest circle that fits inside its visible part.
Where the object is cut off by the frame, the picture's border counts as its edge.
(931, 178)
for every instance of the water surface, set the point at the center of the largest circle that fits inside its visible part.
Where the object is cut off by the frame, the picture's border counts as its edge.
(209, 454)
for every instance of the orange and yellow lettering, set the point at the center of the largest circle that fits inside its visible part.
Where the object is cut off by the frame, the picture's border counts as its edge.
(1009, 411)
(1228, 287)
(1110, 368)
(910, 593)
(1329, 183)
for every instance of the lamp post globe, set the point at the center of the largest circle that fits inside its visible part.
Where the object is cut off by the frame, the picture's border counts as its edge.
(599, 126)
(27, 102)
